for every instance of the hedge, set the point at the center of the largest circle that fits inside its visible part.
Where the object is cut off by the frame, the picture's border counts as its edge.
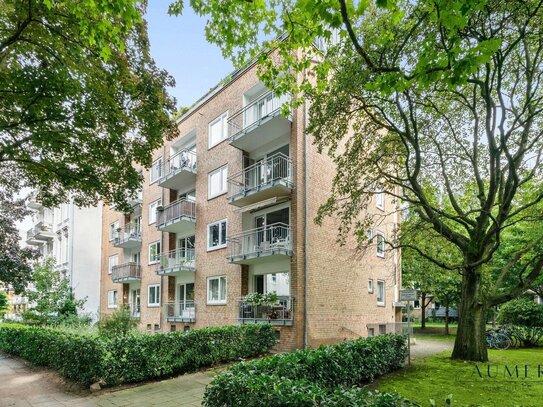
(312, 376)
(89, 358)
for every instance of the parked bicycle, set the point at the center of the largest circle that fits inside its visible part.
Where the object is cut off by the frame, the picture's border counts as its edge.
(498, 339)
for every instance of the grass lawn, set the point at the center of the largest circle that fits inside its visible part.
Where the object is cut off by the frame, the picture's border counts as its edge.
(437, 376)
(434, 331)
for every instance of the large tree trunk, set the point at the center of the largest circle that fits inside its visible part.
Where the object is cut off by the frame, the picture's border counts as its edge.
(423, 310)
(447, 318)
(470, 338)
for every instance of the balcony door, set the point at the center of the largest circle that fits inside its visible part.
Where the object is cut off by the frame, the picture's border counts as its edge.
(136, 258)
(185, 247)
(189, 196)
(267, 168)
(185, 296)
(278, 283)
(135, 303)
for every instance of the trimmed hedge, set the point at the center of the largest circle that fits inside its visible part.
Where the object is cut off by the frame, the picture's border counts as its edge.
(88, 358)
(311, 376)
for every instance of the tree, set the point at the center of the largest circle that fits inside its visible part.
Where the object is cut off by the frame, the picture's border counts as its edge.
(81, 98)
(442, 93)
(15, 262)
(51, 297)
(4, 303)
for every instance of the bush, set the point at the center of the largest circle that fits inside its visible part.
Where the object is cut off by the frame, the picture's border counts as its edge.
(88, 358)
(526, 336)
(309, 375)
(119, 323)
(522, 312)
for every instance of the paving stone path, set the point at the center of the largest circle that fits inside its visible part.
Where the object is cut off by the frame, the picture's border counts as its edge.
(423, 348)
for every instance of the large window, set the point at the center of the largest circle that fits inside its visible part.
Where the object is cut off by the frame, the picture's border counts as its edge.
(153, 295)
(156, 170)
(154, 252)
(379, 197)
(380, 292)
(380, 244)
(218, 130)
(152, 210)
(112, 299)
(216, 290)
(217, 182)
(216, 235)
(113, 233)
(113, 261)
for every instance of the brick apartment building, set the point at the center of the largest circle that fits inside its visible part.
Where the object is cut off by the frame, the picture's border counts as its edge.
(227, 209)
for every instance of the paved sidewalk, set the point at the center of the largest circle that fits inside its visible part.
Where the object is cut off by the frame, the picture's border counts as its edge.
(25, 386)
(424, 347)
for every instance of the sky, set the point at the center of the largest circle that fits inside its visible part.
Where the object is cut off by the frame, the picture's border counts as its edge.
(178, 45)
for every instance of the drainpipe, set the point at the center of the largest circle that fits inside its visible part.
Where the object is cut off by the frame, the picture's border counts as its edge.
(162, 247)
(305, 225)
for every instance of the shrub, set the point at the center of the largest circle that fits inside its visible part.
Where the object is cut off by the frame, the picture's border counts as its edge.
(522, 312)
(311, 374)
(119, 323)
(526, 336)
(88, 358)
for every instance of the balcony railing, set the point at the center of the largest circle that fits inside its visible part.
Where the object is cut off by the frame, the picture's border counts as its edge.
(267, 105)
(268, 240)
(136, 199)
(173, 217)
(269, 177)
(279, 313)
(179, 170)
(176, 260)
(41, 232)
(129, 236)
(180, 311)
(126, 272)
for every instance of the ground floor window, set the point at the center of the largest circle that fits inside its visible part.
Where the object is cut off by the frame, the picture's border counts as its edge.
(112, 299)
(153, 295)
(216, 290)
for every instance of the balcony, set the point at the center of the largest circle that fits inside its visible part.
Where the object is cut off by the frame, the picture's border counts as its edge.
(135, 311)
(280, 313)
(177, 217)
(175, 261)
(263, 180)
(182, 311)
(136, 199)
(126, 273)
(179, 171)
(259, 123)
(128, 237)
(40, 233)
(255, 245)
(33, 203)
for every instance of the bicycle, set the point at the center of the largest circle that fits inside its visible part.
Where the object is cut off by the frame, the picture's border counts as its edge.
(498, 339)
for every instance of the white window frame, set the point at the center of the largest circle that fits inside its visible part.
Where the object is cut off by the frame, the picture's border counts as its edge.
(156, 288)
(219, 246)
(378, 252)
(223, 118)
(223, 179)
(159, 251)
(112, 295)
(383, 300)
(219, 301)
(109, 265)
(158, 162)
(379, 198)
(370, 285)
(158, 203)
(113, 229)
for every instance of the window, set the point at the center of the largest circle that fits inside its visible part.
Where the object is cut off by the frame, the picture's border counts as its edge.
(370, 234)
(382, 329)
(216, 290)
(154, 252)
(153, 210)
(218, 130)
(153, 295)
(216, 235)
(380, 246)
(113, 261)
(379, 197)
(113, 233)
(156, 171)
(370, 286)
(216, 182)
(380, 293)
(371, 332)
(112, 299)
(416, 304)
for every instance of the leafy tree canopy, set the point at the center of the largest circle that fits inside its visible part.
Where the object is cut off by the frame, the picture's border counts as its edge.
(81, 98)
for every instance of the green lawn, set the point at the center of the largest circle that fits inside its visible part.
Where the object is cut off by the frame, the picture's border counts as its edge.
(437, 376)
(434, 331)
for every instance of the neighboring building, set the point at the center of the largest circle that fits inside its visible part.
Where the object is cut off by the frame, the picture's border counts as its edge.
(228, 209)
(17, 305)
(72, 236)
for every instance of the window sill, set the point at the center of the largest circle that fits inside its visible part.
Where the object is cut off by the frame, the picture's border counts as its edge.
(153, 305)
(111, 306)
(217, 303)
(380, 304)
(153, 263)
(209, 147)
(381, 208)
(382, 255)
(212, 249)
(209, 198)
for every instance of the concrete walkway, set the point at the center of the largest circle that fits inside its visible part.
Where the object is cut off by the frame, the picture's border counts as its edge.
(424, 347)
(24, 386)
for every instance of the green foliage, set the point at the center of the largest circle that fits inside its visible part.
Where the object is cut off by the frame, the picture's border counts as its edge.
(526, 336)
(4, 303)
(132, 358)
(261, 299)
(521, 311)
(119, 323)
(308, 375)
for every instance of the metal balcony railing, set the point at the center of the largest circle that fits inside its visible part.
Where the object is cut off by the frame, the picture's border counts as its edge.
(258, 109)
(126, 272)
(279, 313)
(182, 311)
(176, 260)
(182, 208)
(130, 232)
(274, 169)
(266, 240)
(184, 159)
(136, 199)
